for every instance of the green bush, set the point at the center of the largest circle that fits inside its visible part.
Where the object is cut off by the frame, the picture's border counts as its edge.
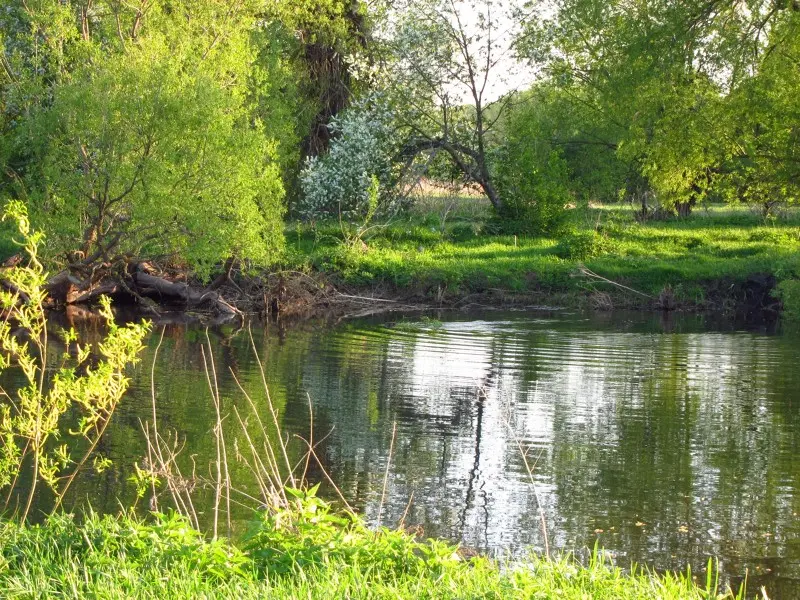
(463, 232)
(534, 190)
(584, 244)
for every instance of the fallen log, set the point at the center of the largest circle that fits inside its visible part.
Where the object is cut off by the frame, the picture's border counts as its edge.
(137, 285)
(152, 286)
(105, 288)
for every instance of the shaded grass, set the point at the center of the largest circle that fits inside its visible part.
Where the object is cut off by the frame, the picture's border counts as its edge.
(692, 256)
(7, 245)
(120, 557)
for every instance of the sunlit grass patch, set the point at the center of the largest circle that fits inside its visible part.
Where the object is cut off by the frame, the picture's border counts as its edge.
(292, 555)
(422, 254)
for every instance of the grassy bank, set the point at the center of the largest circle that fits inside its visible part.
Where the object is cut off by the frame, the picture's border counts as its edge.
(447, 250)
(123, 557)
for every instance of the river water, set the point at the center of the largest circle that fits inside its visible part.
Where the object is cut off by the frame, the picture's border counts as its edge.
(665, 439)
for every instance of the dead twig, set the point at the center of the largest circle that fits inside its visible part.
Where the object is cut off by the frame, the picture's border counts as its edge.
(592, 275)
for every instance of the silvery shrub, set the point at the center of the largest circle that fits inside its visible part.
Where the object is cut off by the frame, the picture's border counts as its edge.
(362, 148)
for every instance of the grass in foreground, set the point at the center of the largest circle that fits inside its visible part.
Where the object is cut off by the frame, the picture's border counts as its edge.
(446, 247)
(306, 553)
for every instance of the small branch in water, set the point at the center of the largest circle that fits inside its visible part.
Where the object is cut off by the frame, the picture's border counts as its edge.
(366, 298)
(402, 522)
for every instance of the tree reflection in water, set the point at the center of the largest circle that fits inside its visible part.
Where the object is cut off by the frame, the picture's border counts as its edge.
(669, 441)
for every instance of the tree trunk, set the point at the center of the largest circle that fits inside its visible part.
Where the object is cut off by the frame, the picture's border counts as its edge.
(684, 209)
(491, 193)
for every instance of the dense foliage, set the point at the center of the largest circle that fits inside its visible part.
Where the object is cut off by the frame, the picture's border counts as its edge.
(533, 179)
(165, 129)
(696, 100)
(161, 129)
(141, 130)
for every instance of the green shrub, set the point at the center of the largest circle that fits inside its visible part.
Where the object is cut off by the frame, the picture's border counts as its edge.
(584, 244)
(534, 190)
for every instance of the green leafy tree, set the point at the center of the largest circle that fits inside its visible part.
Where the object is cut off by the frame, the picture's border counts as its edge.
(549, 125)
(691, 87)
(141, 130)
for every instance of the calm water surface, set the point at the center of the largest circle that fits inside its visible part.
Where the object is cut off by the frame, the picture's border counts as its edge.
(666, 441)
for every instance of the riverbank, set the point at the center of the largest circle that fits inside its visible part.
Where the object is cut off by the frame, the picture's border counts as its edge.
(720, 259)
(123, 557)
(447, 253)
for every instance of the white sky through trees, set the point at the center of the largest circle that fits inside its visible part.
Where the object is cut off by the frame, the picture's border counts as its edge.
(478, 19)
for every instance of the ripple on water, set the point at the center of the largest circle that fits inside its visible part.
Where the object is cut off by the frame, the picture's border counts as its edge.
(666, 447)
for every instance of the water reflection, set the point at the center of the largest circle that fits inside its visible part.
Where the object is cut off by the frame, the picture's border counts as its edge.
(668, 441)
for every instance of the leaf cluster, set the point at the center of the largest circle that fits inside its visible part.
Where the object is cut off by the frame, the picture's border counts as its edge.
(311, 534)
(90, 381)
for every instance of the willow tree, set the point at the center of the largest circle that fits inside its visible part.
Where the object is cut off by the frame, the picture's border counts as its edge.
(136, 130)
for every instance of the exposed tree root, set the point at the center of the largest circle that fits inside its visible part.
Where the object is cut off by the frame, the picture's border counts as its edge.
(138, 283)
(148, 286)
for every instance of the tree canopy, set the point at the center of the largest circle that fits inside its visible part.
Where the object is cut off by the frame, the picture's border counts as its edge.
(143, 129)
(695, 97)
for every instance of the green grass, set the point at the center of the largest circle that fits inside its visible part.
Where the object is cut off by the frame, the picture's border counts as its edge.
(427, 254)
(121, 557)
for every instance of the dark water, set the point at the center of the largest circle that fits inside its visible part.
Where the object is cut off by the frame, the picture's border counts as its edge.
(668, 442)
